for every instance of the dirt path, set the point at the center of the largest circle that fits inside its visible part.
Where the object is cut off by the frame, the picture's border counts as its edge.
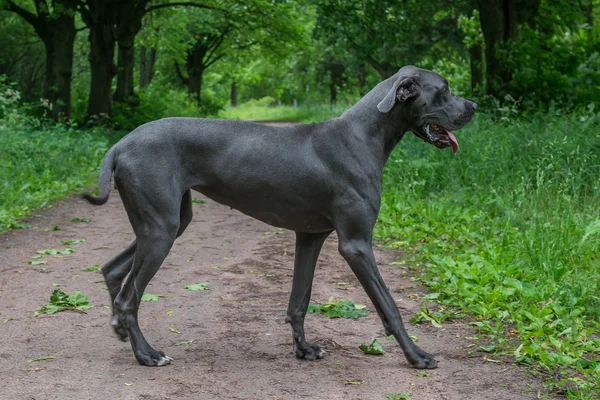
(241, 346)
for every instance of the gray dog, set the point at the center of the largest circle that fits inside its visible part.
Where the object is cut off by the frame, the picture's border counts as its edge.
(312, 179)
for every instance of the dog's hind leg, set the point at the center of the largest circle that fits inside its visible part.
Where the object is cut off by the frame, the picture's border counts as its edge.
(308, 247)
(156, 220)
(117, 268)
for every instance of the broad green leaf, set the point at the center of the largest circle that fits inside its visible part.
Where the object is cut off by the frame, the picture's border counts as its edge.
(150, 297)
(94, 267)
(197, 286)
(373, 348)
(54, 252)
(73, 241)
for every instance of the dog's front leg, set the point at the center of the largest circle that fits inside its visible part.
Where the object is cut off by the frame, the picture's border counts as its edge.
(308, 247)
(358, 252)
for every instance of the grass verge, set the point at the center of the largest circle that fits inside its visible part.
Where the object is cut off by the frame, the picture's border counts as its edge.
(40, 164)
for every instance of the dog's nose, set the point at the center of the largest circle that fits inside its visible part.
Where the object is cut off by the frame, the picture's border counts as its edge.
(474, 105)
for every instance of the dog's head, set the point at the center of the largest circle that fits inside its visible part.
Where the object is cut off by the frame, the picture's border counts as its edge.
(428, 105)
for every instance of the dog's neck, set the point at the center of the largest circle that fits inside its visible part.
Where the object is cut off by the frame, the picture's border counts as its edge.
(384, 130)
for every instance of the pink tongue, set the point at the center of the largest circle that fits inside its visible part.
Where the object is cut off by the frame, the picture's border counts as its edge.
(453, 141)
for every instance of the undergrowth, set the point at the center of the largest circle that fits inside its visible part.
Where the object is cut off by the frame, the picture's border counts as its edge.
(40, 163)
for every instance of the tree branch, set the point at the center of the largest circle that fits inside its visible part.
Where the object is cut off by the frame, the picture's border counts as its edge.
(30, 17)
(41, 10)
(216, 43)
(214, 60)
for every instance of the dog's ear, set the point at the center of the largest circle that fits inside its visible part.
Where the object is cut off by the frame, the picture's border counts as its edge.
(404, 88)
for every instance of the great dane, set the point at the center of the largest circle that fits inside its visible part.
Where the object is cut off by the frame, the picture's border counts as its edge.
(308, 178)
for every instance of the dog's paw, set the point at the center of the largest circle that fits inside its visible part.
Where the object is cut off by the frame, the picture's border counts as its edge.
(424, 361)
(119, 329)
(153, 358)
(309, 352)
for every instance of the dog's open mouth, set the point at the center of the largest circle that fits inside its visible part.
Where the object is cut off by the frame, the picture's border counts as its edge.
(438, 136)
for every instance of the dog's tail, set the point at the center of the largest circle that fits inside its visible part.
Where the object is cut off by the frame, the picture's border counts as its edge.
(106, 170)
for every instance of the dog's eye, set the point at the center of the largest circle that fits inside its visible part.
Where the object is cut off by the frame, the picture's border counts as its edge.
(446, 89)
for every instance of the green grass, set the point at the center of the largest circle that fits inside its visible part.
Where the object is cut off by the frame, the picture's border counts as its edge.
(507, 230)
(40, 164)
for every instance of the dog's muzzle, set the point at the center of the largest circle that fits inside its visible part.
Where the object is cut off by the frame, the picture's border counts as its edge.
(438, 136)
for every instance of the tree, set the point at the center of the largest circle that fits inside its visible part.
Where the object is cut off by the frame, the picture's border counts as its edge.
(213, 35)
(100, 17)
(473, 40)
(54, 23)
(500, 20)
(147, 61)
(387, 34)
(129, 23)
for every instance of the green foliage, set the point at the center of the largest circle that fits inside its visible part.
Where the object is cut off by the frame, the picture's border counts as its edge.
(339, 309)
(92, 268)
(40, 163)
(374, 348)
(434, 317)
(398, 396)
(505, 231)
(84, 220)
(566, 75)
(72, 241)
(197, 287)
(60, 301)
(54, 252)
(150, 297)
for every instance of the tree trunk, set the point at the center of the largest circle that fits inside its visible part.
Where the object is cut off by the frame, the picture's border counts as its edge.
(500, 20)
(332, 93)
(102, 52)
(195, 69)
(59, 64)
(234, 93)
(476, 60)
(57, 32)
(129, 23)
(361, 77)
(125, 83)
(195, 84)
(146, 66)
